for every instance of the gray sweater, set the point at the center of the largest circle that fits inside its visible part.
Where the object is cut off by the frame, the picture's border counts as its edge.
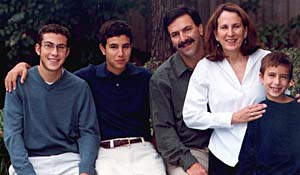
(43, 120)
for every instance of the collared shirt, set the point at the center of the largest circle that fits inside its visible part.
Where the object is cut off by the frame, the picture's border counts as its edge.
(122, 101)
(217, 84)
(168, 87)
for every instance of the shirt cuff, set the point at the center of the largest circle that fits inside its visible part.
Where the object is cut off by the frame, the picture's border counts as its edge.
(187, 161)
(224, 120)
(27, 169)
(87, 168)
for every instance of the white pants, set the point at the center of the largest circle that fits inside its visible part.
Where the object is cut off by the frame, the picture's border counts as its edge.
(200, 154)
(62, 164)
(135, 159)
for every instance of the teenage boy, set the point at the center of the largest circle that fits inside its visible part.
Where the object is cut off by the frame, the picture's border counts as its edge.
(271, 144)
(50, 122)
(183, 149)
(121, 94)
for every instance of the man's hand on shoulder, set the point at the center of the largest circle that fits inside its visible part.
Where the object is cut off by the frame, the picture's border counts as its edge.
(11, 78)
(197, 169)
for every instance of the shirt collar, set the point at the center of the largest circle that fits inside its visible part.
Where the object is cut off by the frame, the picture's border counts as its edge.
(103, 72)
(179, 65)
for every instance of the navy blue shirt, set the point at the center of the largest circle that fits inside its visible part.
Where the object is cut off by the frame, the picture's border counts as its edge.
(271, 144)
(122, 101)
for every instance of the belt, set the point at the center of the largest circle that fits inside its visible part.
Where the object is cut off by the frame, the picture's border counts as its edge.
(120, 142)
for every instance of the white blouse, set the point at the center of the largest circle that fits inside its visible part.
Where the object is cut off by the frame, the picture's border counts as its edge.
(216, 83)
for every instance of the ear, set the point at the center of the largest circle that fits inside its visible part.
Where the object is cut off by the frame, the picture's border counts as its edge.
(200, 28)
(102, 48)
(38, 49)
(216, 35)
(261, 78)
(67, 52)
(246, 32)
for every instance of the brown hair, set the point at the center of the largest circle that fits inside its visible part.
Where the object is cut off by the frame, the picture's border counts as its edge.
(275, 59)
(250, 44)
(53, 28)
(114, 28)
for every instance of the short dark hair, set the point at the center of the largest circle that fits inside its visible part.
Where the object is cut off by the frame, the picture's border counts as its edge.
(275, 59)
(53, 28)
(174, 13)
(113, 28)
(216, 53)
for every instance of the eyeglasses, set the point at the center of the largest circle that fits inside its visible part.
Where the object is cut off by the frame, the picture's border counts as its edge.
(51, 46)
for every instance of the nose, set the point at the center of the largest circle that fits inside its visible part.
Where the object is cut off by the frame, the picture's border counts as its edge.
(276, 80)
(54, 51)
(230, 32)
(181, 36)
(121, 52)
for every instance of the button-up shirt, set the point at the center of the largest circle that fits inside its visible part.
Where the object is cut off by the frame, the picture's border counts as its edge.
(168, 87)
(217, 84)
(122, 101)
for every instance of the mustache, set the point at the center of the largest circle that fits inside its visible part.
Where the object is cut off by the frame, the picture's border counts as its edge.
(187, 41)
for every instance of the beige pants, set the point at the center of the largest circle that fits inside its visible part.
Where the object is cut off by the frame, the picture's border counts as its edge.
(62, 164)
(200, 154)
(135, 159)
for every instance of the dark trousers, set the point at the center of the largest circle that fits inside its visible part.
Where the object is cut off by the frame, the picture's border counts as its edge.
(217, 167)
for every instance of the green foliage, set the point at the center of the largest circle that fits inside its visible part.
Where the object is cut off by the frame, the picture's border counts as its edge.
(294, 25)
(294, 55)
(1, 123)
(20, 21)
(273, 35)
(153, 64)
(4, 158)
(250, 5)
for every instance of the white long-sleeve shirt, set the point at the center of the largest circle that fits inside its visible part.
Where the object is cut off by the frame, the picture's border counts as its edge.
(216, 83)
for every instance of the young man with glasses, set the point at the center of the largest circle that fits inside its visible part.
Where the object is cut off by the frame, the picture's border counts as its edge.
(121, 94)
(50, 121)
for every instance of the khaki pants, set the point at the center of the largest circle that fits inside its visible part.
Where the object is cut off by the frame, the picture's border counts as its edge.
(200, 154)
(62, 164)
(135, 159)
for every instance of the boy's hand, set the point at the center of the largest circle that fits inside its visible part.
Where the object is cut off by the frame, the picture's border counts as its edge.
(11, 78)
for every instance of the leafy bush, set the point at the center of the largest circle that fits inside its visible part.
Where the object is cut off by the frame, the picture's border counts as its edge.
(4, 158)
(273, 35)
(294, 55)
(294, 25)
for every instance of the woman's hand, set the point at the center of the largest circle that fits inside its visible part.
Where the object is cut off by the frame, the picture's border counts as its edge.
(248, 113)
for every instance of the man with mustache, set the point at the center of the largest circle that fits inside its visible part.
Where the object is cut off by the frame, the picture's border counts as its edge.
(183, 149)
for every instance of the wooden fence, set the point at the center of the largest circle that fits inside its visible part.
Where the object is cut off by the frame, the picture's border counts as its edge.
(279, 11)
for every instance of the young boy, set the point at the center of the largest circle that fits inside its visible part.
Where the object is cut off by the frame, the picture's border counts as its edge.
(271, 145)
(50, 121)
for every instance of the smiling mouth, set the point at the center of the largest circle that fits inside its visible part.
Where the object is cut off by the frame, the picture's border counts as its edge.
(53, 60)
(231, 40)
(275, 89)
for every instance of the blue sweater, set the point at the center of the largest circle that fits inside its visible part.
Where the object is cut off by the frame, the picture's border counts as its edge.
(43, 120)
(271, 144)
(122, 101)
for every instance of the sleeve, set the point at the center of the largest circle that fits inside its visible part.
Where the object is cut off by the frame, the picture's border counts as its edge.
(195, 113)
(168, 142)
(89, 136)
(13, 134)
(247, 157)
